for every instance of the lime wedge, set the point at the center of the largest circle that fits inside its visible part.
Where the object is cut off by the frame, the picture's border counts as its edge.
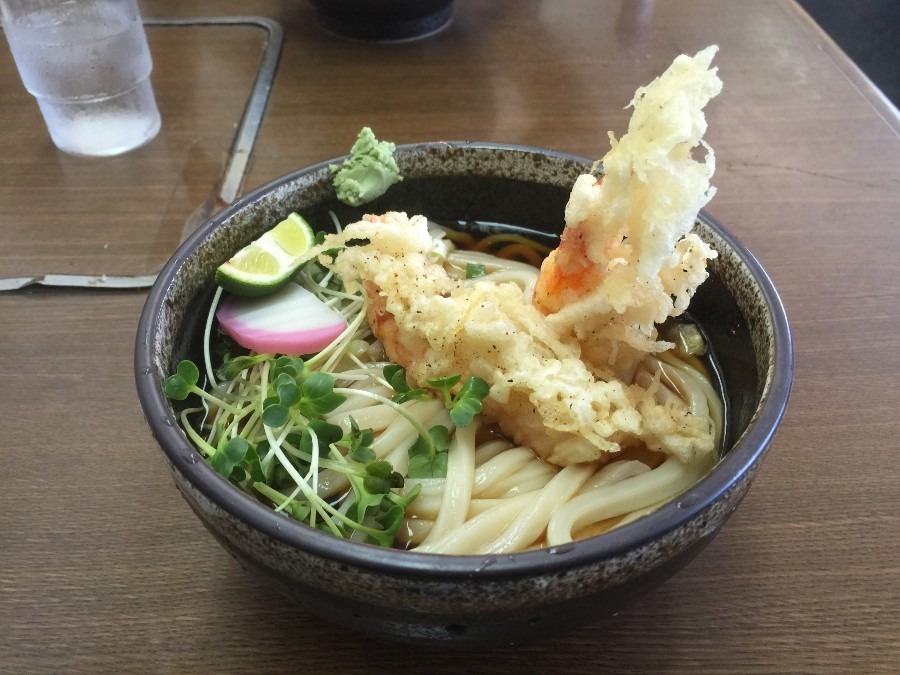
(268, 263)
(293, 235)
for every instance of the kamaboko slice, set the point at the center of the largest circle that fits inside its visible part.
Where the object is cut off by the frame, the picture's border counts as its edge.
(290, 321)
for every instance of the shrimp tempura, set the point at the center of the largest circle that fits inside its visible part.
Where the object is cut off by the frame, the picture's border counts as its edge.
(559, 368)
(627, 260)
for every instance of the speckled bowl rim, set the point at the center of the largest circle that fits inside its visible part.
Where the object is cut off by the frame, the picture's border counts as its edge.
(728, 472)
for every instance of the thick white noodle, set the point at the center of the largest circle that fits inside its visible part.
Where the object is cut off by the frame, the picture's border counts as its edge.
(699, 386)
(458, 484)
(477, 506)
(498, 270)
(396, 438)
(489, 450)
(534, 474)
(492, 264)
(399, 454)
(615, 472)
(640, 513)
(355, 401)
(523, 279)
(424, 509)
(368, 415)
(424, 506)
(639, 492)
(478, 531)
(532, 520)
(693, 397)
(416, 530)
(497, 468)
(503, 498)
(428, 487)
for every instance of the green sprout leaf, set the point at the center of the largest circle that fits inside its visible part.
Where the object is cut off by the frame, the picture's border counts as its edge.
(445, 385)
(229, 455)
(359, 443)
(377, 510)
(428, 455)
(289, 365)
(299, 510)
(287, 390)
(188, 371)
(391, 518)
(274, 414)
(396, 377)
(184, 381)
(469, 401)
(325, 432)
(232, 368)
(381, 477)
(294, 388)
(317, 395)
(253, 466)
(474, 270)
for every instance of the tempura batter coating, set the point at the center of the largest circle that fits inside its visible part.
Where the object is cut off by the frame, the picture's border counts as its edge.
(626, 261)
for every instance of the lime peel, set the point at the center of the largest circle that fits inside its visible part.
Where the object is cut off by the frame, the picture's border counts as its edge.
(266, 264)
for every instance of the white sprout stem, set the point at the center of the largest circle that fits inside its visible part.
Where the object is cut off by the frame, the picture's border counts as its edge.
(220, 412)
(196, 437)
(324, 463)
(327, 511)
(338, 346)
(260, 401)
(409, 417)
(337, 222)
(328, 276)
(290, 498)
(207, 332)
(313, 473)
(345, 339)
(247, 407)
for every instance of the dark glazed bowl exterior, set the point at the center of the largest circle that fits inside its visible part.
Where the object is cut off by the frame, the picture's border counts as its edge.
(384, 20)
(467, 600)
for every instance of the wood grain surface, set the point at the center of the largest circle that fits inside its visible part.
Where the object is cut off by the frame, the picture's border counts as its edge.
(103, 568)
(125, 214)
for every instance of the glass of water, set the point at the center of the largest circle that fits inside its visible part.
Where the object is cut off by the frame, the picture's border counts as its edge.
(88, 65)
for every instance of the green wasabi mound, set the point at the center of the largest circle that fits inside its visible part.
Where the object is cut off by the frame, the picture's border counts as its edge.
(368, 172)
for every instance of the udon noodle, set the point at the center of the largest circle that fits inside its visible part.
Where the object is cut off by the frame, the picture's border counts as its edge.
(497, 497)
(500, 497)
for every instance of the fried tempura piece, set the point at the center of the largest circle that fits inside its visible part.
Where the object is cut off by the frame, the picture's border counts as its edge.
(627, 260)
(541, 392)
(559, 369)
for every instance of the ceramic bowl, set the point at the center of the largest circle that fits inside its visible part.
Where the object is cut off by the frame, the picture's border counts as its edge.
(384, 20)
(469, 600)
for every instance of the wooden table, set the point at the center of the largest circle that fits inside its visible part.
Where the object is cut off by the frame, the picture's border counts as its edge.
(104, 569)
